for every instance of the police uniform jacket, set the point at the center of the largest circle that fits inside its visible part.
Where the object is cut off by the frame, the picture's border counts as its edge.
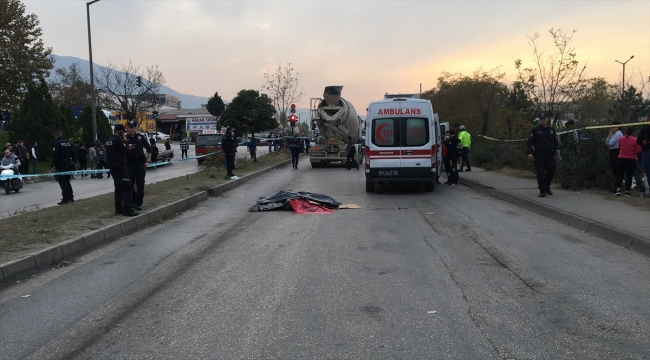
(141, 143)
(117, 152)
(64, 154)
(228, 144)
(542, 140)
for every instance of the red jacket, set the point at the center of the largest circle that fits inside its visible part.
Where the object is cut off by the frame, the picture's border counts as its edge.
(628, 149)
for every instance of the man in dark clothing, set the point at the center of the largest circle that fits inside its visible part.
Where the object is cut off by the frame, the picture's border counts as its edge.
(63, 159)
(644, 140)
(229, 147)
(34, 158)
(168, 146)
(82, 158)
(21, 152)
(137, 162)
(451, 158)
(252, 148)
(118, 153)
(542, 148)
(102, 161)
(295, 152)
(350, 153)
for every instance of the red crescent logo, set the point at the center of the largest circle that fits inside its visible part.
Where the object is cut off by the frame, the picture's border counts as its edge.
(378, 133)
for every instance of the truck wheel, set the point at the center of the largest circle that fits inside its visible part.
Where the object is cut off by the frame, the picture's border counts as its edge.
(315, 165)
(429, 186)
(370, 187)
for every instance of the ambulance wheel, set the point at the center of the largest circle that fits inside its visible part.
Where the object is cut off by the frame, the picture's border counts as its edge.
(429, 186)
(370, 187)
(7, 188)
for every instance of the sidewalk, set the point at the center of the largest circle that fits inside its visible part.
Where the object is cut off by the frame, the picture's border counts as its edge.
(623, 224)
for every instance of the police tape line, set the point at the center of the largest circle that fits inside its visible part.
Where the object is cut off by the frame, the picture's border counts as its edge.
(95, 172)
(572, 130)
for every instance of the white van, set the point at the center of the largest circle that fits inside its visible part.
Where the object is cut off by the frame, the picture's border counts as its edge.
(402, 143)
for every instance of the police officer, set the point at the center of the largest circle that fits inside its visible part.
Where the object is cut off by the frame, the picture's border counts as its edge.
(118, 153)
(137, 162)
(229, 147)
(62, 160)
(542, 148)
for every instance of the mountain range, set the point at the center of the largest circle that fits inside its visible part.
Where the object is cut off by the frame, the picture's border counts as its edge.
(187, 101)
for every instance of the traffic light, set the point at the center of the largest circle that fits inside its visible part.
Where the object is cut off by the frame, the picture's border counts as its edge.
(138, 81)
(155, 114)
(292, 119)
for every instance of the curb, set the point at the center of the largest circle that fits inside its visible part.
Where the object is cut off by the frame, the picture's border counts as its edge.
(636, 243)
(29, 265)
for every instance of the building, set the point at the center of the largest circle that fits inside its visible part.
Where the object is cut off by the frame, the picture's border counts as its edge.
(168, 100)
(177, 121)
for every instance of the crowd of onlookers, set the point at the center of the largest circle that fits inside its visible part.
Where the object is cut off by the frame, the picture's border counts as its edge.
(629, 157)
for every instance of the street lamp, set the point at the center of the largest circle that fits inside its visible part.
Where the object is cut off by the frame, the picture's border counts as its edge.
(623, 81)
(304, 112)
(92, 76)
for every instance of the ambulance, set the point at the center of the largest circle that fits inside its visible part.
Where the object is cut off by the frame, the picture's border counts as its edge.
(402, 145)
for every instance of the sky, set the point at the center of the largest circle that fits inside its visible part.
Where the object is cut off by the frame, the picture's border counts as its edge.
(369, 47)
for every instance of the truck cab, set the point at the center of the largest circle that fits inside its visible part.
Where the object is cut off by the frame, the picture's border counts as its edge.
(402, 142)
(208, 141)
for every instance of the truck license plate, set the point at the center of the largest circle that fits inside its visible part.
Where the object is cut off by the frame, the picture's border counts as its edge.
(388, 173)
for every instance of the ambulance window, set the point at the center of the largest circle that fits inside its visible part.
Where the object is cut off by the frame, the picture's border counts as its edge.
(416, 132)
(383, 133)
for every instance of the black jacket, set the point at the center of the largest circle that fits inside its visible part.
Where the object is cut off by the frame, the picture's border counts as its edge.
(644, 135)
(452, 147)
(117, 152)
(141, 143)
(542, 140)
(228, 144)
(64, 155)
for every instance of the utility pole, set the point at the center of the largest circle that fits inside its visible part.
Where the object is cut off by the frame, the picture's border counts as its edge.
(92, 76)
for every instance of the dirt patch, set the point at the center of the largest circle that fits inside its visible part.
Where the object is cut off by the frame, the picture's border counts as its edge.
(32, 231)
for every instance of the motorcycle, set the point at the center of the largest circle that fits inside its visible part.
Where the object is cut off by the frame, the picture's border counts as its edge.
(10, 184)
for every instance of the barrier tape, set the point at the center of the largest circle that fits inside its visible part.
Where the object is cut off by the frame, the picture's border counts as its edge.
(572, 130)
(94, 172)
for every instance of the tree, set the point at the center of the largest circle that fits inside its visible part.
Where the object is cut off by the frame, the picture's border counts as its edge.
(23, 57)
(104, 130)
(121, 91)
(629, 106)
(554, 80)
(249, 112)
(519, 110)
(70, 87)
(282, 88)
(36, 117)
(469, 100)
(215, 105)
(593, 101)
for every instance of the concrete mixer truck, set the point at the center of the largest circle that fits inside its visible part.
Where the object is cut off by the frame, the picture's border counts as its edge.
(336, 119)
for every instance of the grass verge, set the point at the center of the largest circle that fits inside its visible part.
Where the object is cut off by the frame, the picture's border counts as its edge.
(31, 231)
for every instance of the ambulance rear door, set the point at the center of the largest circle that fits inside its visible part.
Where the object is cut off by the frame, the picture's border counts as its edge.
(418, 139)
(383, 139)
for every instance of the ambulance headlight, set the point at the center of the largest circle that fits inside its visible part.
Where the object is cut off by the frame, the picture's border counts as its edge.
(367, 171)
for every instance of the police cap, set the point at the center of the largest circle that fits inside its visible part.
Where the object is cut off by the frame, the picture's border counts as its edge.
(132, 124)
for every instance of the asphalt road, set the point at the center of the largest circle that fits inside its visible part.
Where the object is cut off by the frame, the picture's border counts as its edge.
(48, 193)
(412, 275)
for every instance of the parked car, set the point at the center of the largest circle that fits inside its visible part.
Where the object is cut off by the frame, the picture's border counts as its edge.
(159, 135)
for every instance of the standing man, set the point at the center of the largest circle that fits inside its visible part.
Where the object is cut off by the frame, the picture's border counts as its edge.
(82, 159)
(137, 162)
(295, 152)
(168, 146)
(644, 140)
(542, 148)
(34, 158)
(229, 147)
(270, 142)
(451, 158)
(63, 160)
(252, 148)
(185, 144)
(350, 152)
(307, 144)
(466, 141)
(612, 140)
(92, 153)
(21, 152)
(118, 153)
(102, 161)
